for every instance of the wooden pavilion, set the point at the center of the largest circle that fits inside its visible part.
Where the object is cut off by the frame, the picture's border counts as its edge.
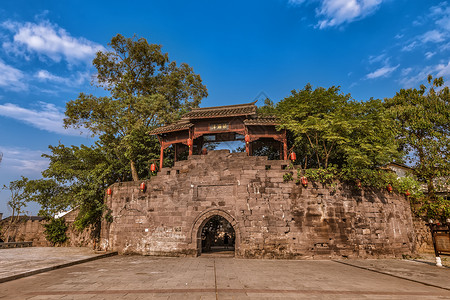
(220, 124)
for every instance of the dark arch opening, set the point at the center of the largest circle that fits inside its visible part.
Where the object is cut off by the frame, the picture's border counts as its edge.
(218, 236)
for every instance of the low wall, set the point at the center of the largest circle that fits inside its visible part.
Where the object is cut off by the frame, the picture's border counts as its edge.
(424, 242)
(24, 230)
(271, 218)
(32, 230)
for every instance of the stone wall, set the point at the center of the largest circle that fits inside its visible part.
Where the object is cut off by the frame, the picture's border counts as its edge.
(271, 218)
(424, 242)
(32, 230)
(25, 230)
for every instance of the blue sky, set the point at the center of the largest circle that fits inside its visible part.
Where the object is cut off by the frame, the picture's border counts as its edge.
(241, 49)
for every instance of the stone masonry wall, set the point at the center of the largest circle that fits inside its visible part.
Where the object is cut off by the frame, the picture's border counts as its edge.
(271, 218)
(24, 231)
(27, 230)
(424, 242)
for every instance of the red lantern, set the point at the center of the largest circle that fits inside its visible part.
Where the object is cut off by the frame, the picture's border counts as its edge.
(142, 187)
(293, 156)
(389, 188)
(152, 167)
(407, 193)
(358, 183)
(189, 142)
(247, 138)
(109, 192)
(304, 181)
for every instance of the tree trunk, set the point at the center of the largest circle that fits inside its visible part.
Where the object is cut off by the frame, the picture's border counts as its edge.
(134, 173)
(430, 187)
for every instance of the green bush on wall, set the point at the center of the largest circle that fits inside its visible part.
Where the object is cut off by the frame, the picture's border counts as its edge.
(55, 231)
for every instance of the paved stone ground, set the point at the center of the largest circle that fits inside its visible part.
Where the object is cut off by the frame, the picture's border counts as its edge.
(145, 277)
(16, 262)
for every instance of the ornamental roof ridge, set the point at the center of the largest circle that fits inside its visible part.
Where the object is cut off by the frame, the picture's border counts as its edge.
(225, 106)
(221, 111)
(263, 120)
(176, 126)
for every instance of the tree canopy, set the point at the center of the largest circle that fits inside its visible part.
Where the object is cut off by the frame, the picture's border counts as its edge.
(330, 127)
(422, 117)
(146, 91)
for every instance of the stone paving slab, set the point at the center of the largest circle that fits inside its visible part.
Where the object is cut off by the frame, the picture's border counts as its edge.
(20, 262)
(419, 271)
(146, 277)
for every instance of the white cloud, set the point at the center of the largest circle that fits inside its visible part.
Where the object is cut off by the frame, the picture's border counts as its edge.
(443, 70)
(410, 46)
(432, 36)
(378, 58)
(333, 13)
(22, 160)
(420, 75)
(429, 54)
(48, 117)
(406, 71)
(338, 12)
(296, 2)
(437, 31)
(11, 78)
(382, 72)
(75, 80)
(445, 47)
(49, 40)
(441, 14)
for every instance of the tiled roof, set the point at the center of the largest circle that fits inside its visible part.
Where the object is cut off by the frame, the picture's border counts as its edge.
(180, 125)
(221, 111)
(269, 120)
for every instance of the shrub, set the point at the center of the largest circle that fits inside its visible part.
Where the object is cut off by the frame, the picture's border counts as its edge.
(55, 231)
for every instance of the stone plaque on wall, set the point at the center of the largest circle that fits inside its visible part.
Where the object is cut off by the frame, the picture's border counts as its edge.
(442, 242)
(205, 192)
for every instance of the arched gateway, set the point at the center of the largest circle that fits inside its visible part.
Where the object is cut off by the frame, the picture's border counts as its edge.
(200, 234)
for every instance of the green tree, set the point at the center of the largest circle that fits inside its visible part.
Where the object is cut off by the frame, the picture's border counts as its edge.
(77, 178)
(17, 202)
(146, 91)
(423, 119)
(330, 127)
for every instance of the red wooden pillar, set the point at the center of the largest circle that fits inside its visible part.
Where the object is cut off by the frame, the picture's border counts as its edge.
(281, 151)
(190, 149)
(285, 149)
(175, 150)
(247, 146)
(191, 137)
(161, 157)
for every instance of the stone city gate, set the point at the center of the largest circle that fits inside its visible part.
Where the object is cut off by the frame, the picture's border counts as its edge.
(205, 217)
(271, 218)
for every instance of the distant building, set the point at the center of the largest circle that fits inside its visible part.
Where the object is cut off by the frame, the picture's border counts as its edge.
(400, 169)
